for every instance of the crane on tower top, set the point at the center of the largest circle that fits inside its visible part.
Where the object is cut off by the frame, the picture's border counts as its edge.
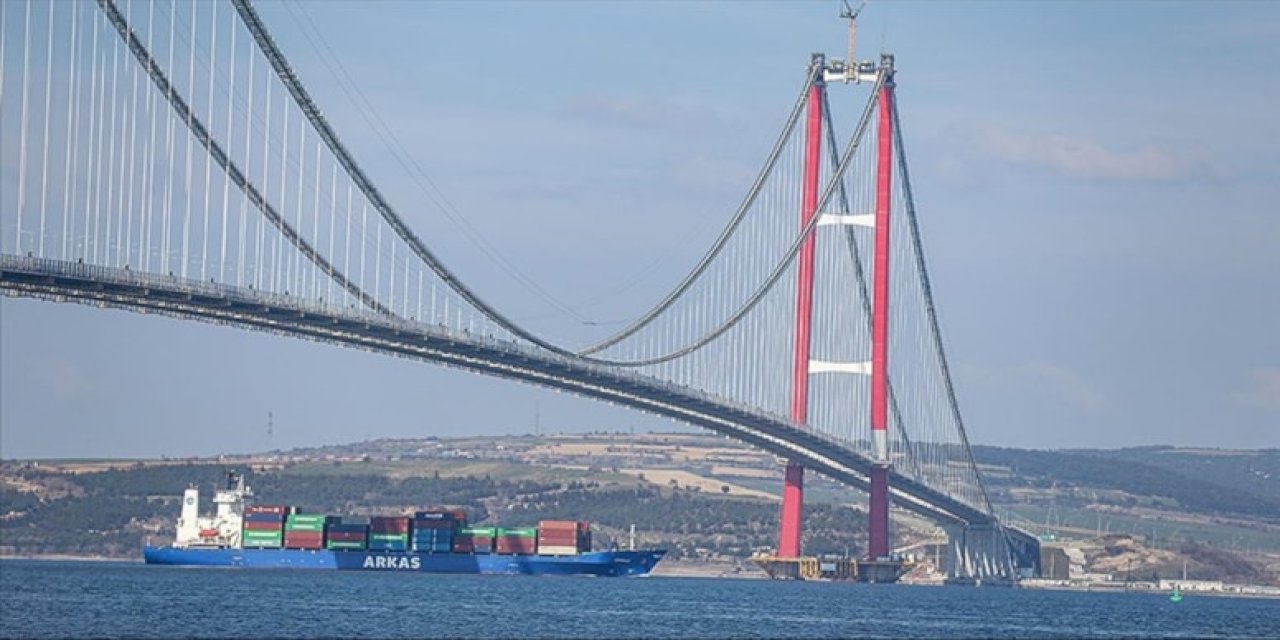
(852, 16)
(849, 69)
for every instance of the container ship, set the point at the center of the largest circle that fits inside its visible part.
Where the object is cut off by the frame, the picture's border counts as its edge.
(261, 536)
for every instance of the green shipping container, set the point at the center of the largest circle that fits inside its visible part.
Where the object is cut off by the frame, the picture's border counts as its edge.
(303, 527)
(249, 533)
(487, 532)
(529, 532)
(344, 545)
(307, 519)
(390, 537)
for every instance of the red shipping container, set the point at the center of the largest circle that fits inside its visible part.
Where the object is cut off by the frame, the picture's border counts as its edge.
(516, 545)
(460, 546)
(304, 540)
(557, 525)
(263, 526)
(556, 543)
(558, 533)
(346, 536)
(389, 525)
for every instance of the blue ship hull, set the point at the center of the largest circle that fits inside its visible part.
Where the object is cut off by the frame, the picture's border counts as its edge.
(599, 563)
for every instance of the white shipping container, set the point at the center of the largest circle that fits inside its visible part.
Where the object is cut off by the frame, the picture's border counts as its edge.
(557, 551)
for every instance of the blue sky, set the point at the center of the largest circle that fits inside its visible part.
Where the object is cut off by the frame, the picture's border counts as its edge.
(1098, 183)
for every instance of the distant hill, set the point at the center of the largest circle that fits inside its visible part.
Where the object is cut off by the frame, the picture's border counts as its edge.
(1206, 481)
(698, 495)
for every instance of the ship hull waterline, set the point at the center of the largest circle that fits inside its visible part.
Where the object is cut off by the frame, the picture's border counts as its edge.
(599, 563)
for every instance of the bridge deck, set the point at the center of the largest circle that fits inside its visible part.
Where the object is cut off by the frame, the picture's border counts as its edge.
(147, 293)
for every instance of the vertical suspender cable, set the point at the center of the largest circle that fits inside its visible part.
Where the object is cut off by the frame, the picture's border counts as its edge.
(208, 159)
(151, 158)
(187, 186)
(244, 197)
(259, 249)
(216, 152)
(72, 131)
(44, 171)
(128, 156)
(226, 179)
(22, 136)
(166, 227)
(92, 164)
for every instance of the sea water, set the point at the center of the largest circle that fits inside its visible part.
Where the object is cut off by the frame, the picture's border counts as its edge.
(100, 599)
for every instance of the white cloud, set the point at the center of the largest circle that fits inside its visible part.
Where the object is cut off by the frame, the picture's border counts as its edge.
(1264, 391)
(1086, 158)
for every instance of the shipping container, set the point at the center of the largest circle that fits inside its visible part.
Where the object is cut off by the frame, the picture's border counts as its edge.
(522, 532)
(264, 517)
(433, 515)
(484, 532)
(346, 537)
(347, 528)
(308, 517)
(424, 525)
(387, 545)
(304, 540)
(263, 532)
(389, 525)
(516, 545)
(556, 525)
(273, 509)
(390, 537)
(570, 534)
(570, 550)
(338, 544)
(304, 534)
(426, 540)
(263, 526)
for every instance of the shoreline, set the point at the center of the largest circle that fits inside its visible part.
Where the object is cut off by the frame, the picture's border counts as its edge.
(728, 571)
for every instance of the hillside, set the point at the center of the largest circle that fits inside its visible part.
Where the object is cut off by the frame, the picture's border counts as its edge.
(701, 496)
(1211, 482)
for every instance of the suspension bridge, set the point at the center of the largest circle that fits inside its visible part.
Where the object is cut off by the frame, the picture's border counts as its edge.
(164, 157)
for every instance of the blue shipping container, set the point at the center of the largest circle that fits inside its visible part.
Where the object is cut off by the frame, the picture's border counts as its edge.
(263, 517)
(348, 528)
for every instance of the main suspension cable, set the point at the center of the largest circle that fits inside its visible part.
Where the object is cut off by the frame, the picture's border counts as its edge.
(215, 150)
(725, 234)
(930, 310)
(786, 259)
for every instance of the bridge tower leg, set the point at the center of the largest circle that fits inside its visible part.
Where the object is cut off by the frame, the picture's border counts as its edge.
(793, 481)
(878, 543)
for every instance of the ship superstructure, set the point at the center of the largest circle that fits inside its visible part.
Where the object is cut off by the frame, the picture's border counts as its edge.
(222, 529)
